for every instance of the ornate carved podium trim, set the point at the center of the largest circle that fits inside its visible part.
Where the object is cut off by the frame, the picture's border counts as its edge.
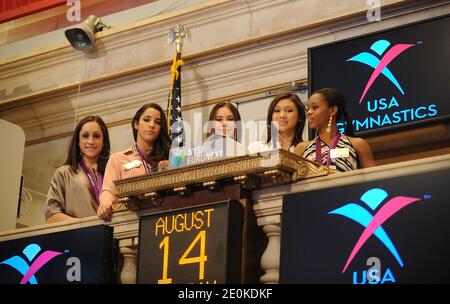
(251, 171)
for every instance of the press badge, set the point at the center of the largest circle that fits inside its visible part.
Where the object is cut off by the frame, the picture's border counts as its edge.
(339, 153)
(133, 164)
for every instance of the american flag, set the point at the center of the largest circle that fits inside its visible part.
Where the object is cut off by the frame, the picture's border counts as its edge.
(174, 116)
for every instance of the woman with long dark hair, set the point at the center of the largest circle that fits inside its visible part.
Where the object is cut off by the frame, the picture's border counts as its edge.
(326, 107)
(75, 186)
(225, 119)
(286, 120)
(150, 152)
(287, 110)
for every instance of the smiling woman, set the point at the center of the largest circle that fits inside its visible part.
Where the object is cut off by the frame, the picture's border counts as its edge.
(288, 114)
(285, 124)
(151, 150)
(75, 187)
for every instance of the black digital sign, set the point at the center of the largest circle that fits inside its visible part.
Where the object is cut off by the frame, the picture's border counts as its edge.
(202, 244)
(394, 230)
(82, 255)
(393, 78)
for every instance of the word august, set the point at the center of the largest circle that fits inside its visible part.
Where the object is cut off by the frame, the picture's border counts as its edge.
(199, 220)
(393, 114)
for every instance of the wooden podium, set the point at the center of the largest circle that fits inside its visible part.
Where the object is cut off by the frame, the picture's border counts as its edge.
(228, 179)
(267, 169)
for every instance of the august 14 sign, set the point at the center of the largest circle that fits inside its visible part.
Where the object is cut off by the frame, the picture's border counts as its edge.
(202, 244)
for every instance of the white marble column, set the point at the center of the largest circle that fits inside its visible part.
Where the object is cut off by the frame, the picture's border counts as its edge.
(128, 250)
(268, 215)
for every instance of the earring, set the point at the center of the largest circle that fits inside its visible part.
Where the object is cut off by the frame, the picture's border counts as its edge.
(328, 129)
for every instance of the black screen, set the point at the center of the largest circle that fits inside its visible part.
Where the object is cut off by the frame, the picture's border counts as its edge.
(323, 238)
(192, 245)
(413, 81)
(82, 255)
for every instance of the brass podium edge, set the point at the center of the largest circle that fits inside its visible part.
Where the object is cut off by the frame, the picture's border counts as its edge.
(281, 166)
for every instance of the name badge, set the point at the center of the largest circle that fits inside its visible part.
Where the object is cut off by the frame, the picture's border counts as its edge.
(133, 164)
(339, 153)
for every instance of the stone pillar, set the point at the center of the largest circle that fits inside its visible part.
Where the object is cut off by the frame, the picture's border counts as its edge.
(128, 250)
(268, 215)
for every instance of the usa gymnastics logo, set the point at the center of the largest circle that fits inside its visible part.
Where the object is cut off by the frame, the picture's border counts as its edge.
(28, 270)
(373, 198)
(380, 65)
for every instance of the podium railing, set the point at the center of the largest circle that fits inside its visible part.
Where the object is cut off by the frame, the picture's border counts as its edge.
(268, 169)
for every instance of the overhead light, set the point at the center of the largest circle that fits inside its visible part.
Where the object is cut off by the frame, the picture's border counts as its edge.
(82, 36)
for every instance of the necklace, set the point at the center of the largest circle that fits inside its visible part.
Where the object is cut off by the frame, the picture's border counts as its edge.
(142, 156)
(334, 142)
(95, 181)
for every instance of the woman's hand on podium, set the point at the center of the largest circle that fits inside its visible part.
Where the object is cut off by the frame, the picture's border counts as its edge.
(104, 210)
(163, 164)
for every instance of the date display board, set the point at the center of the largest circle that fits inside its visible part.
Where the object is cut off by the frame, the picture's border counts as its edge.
(201, 244)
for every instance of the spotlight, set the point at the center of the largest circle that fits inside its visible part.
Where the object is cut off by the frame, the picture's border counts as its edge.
(82, 36)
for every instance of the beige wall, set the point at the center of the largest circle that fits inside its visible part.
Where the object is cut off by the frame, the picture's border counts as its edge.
(239, 50)
(16, 35)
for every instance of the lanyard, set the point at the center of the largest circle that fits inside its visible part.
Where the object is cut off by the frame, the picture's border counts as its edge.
(96, 186)
(319, 149)
(141, 155)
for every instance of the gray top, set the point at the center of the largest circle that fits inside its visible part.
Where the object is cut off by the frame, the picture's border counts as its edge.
(70, 193)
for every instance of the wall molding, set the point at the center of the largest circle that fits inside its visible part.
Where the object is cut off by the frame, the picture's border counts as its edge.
(40, 92)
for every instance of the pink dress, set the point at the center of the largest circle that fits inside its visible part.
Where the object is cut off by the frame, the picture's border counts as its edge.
(115, 170)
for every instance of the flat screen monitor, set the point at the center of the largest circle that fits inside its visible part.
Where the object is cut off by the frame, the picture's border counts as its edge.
(75, 256)
(391, 79)
(393, 230)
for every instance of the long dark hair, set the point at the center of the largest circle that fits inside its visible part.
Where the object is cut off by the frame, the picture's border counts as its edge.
(301, 116)
(74, 154)
(236, 116)
(335, 98)
(162, 145)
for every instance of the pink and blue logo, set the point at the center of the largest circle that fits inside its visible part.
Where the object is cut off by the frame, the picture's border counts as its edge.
(28, 270)
(373, 198)
(380, 65)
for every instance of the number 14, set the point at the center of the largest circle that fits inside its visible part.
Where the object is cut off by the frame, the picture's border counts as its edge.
(201, 259)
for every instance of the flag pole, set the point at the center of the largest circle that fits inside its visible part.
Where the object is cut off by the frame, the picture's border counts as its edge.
(176, 35)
